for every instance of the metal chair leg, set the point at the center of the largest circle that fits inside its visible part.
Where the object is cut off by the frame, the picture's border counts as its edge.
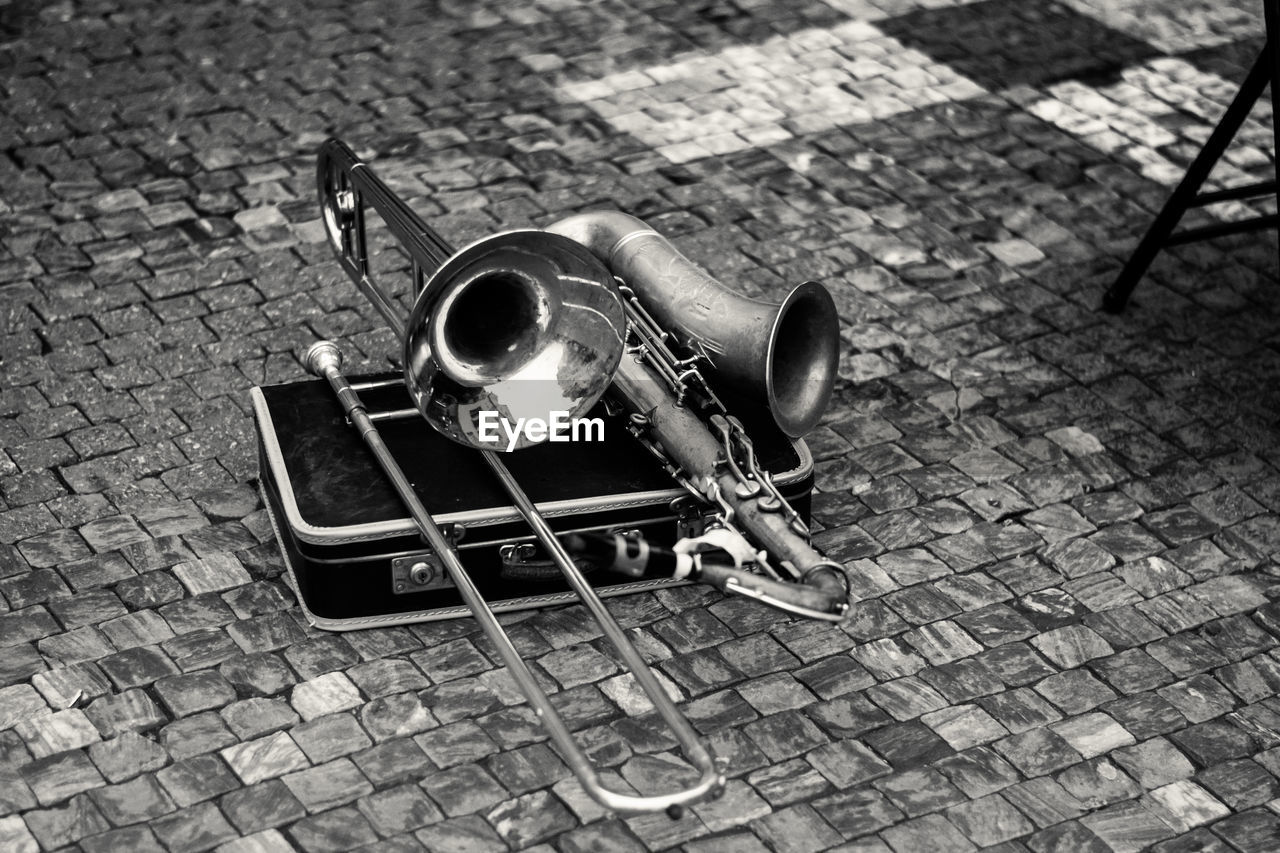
(1265, 69)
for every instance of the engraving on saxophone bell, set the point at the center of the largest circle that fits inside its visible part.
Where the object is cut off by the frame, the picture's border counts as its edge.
(557, 426)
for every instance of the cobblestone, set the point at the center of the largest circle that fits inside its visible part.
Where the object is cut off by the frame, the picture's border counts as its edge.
(1060, 526)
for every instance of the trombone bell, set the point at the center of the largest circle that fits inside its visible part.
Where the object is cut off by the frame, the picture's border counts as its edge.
(523, 324)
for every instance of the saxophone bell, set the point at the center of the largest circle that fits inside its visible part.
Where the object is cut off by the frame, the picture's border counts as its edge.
(785, 356)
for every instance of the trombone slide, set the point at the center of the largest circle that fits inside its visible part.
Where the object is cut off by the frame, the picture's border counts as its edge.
(325, 360)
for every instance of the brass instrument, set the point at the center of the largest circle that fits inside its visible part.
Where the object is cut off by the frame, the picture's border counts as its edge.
(541, 310)
(345, 185)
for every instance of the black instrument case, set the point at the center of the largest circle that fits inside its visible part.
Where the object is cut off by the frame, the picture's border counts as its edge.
(355, 558)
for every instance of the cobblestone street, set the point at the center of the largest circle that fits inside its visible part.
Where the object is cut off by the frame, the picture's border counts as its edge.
(1061, 526)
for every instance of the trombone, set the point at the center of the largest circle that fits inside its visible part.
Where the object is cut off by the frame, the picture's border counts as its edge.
(508, 293)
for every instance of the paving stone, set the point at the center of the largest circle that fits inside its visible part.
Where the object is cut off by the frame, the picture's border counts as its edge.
(268, 840)
(194, 692)
(1093, 734)
(962, 680)
(888, 659)
(264, 758)
(759, 655)
(195, 735)
(513, 727)
(942, 642)
(1212, 742)
(996, 624)
(455, 743)
(399, 809)
(527, 768)
(1020, 709)
(196, 780)
(1198, 698)
(906, 698)
(193, 829)
(324, 694)
(858, 812)
(1184, 804)
(139, 838)
(1154, 763)
(921, 604)
(396, 716)
(197, 612)
(1074, 691)
(717, 711)
(918, 792)
(788, 782)
(137, 800)
(1037, 751)
(1251, 830)
(261, 806)
(200, 649)
(1067, 836)
(59, 826)
(327, 785)
(908, 745)
(1146, 714)
(1123, 627)
(530, 818)
(463, 833)
(16, 836)
(126, 756)
(384, 677)
(1016, 664)
(464, 790)
(57, 777)
(1132, 671)
(1071, 645)
(129, 710)
(47, 734)
(137, 667)
(393, 761)
(136, 629)
(978, 771)
(963, 726)
(89, 608)
(1098, 782)
(326, 737)
(1127, 826)
(797, 829)
(989, 820)
(1240, 784)
(931, 830)
(251, 718)
(846, 763)
(258, 674)
(458, 659)
(784, 735)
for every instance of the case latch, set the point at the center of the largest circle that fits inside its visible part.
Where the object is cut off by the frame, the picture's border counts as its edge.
(418, 572)
(519, 554)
